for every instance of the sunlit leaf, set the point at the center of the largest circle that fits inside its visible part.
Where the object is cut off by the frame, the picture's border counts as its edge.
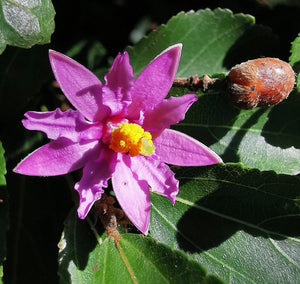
(25, 23)
(264, 138)
(242, 224)
(87, 258)
(213, 41)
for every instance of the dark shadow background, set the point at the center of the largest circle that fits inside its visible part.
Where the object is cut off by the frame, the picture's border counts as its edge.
(34, 231)
(112, 21)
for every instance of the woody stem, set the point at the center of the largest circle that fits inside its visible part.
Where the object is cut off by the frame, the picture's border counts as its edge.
(195, 83)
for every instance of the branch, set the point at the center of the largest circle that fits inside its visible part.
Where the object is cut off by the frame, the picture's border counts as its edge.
(195, 83)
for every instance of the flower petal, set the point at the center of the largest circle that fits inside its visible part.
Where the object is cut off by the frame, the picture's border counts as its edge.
(157, 174)
(80, 86)
(96, 173)
(168, 112)
(176, 148)
(132, 194)
(69, 124)
(87, 199)
(119, 81)
(57, 158)
(155, 81)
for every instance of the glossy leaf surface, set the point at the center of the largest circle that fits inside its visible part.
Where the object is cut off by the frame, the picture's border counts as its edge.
(85, 257)
(242, 224)
(214, 41)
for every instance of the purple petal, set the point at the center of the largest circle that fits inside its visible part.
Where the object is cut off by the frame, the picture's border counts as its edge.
(176, 148)
(69, 124)
(168, 112)
(119, 81)
(87, 199)
(133, 195)
(96, 173)
(57, 158)
(155, 81)
(80, 86)
(157, 174)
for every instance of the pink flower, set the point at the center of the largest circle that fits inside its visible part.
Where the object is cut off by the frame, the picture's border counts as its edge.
(120, 131)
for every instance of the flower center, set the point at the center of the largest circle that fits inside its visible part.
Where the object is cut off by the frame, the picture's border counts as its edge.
(131, 138)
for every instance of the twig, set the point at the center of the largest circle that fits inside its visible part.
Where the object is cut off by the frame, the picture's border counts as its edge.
(195, 83)
(110, 216)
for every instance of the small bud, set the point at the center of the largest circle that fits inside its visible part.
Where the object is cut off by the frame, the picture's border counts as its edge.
(260, 82)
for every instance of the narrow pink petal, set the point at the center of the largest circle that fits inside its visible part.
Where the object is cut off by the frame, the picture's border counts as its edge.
(157, 174)
(87, 199)
(119, 81)
(176, 148)
(155, 81)
(69, 124)
(132, 194)
(95, 175)
(168, 112)
(57, 158)
(80, 86)
(120, 74)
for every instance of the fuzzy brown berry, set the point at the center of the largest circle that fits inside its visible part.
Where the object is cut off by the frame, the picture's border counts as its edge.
(260, 82)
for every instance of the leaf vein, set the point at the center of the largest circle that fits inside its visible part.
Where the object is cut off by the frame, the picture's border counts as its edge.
(204, 252)
(243, 185)
(145, 259)
(283, 253)
(277, 217)
(192, 204)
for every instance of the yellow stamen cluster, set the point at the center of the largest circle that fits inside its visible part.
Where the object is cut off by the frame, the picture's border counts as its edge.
(130, 138)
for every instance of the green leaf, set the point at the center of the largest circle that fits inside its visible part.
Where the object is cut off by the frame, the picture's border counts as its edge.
(87, 258)
(262, 138)
(24, 23)
(240, 223)
(213, 41)
(3, 211)
(295, 58)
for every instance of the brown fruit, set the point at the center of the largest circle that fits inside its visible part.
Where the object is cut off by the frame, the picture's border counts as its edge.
(260, 82)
